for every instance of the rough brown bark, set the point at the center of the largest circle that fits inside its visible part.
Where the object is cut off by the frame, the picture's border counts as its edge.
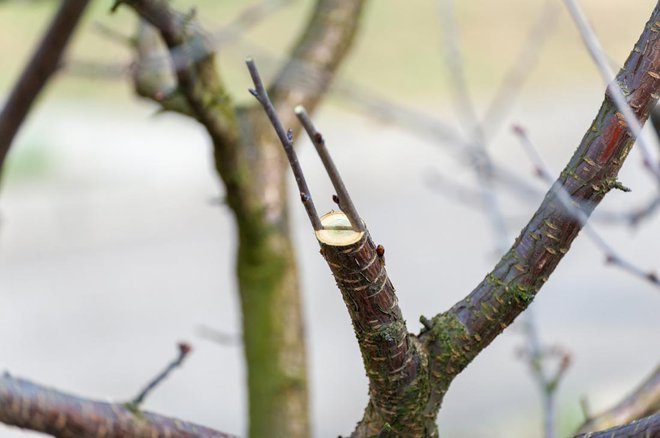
(393, 359)
(30, 406)
(643, 401)
(43, 63)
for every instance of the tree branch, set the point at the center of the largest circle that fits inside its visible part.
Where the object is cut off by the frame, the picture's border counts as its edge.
(44, 62)
(643, 401)
(648, 427)
(30, 406)
(306, 76)
(456, 337)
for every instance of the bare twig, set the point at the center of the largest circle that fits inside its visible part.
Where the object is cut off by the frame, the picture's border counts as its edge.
(286, 138)
(37, 72)
(31, 406)
(642, 401)
(184, 350)
(345, 201)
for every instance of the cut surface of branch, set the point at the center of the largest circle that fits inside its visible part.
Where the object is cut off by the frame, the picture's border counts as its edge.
(336, 230)
(30, 406)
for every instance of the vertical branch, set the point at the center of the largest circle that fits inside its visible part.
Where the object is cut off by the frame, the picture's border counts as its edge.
(43, 63)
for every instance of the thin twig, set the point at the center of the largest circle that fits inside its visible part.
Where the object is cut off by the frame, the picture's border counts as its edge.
(184, 351)
(598, 55)
(286, 139)
(345, 201)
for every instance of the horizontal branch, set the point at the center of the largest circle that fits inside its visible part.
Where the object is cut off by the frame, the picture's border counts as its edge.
(30, 406)
(648, 427)
(643, 401)
(457, 336)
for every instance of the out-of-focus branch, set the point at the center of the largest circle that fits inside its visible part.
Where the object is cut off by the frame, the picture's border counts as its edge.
(37, 72)
(647, 427)
(536, 357)
(643, 401)
(456, 337)
(30, 406)
(307, 74)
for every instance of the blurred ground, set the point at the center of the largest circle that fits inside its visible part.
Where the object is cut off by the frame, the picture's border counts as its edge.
(113, 247)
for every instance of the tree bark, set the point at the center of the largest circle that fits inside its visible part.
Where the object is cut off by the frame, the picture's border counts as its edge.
(42, 65)
(30, 406)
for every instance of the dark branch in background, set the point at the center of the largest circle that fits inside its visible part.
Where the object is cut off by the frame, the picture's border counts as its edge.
(648, 427)
(456, 337)
(345, 201)
(641, 402)
(30, 406)
(37, 72)
(184, 351)
(286, 138)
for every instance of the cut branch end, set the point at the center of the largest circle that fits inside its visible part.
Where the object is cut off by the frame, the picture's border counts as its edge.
(337, 230)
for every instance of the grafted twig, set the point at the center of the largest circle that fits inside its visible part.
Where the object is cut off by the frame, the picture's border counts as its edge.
(456, 337)
(641, 402)
(286, 138)
(345, 201)
(30, 406)
(184, 350)
(37, 72)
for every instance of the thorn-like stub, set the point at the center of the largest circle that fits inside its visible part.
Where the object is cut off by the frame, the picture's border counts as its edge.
(335, 199)
(339, 232)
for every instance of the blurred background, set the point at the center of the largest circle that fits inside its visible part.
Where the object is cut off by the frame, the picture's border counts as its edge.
(114, 243)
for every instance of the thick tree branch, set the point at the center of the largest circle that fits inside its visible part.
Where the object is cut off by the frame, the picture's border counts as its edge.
(457, 336)
(643, 401)
(44, 62)
(648, 427)
(30, 406)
